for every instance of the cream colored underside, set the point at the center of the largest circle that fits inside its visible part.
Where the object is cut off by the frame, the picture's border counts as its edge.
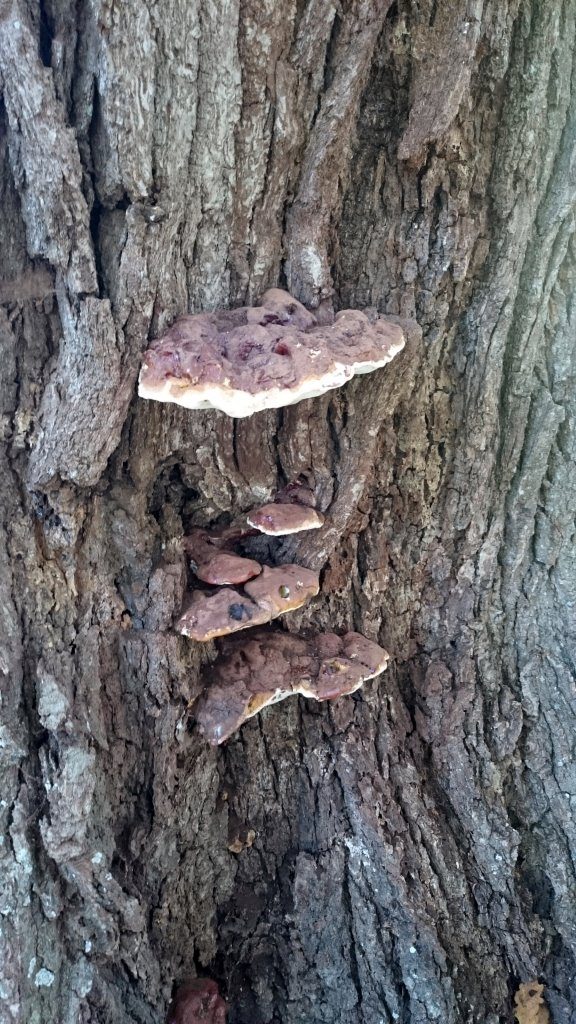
(239, 404)
(284, 532)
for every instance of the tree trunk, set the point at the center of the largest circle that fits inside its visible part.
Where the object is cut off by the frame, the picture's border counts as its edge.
(406, 854)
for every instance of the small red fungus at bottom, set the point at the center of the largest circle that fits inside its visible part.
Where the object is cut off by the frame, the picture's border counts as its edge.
(197, 1002)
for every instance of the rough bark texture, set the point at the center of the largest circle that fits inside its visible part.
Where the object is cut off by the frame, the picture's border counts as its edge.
(407, 854)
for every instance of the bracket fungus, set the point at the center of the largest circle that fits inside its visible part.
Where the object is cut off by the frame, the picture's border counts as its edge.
(270, 665)
(215, 564)
(274, 592)
(197, 1002)
(278, 520)
(263, 357)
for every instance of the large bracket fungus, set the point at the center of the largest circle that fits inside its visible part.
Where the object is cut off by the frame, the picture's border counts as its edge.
(269, 665)
(263, 357)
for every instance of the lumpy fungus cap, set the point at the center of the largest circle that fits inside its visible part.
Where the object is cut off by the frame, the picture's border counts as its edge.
(263, 357)
(227, 610)
(268, 665)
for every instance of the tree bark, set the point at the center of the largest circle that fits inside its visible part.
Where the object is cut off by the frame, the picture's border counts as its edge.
(413, 847)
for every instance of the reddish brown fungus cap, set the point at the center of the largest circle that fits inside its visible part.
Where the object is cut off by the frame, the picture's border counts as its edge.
(212, 564)
(224, 568)
(274, 592)
(267, 665)
(197, 1002)
(200, 545)
(263, 357)
(209, 615)
(283, 588)
(278, 520)
(359, 649)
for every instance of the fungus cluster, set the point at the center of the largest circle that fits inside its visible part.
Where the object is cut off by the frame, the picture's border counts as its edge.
(263, 357)
(242, 361)
(269, 665)
(267, 592)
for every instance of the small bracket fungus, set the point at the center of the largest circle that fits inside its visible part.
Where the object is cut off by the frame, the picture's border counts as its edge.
(263, 357)
(268, 666)
(274, 592)
(225, 568)
(278, 520)
(213, 565)
(197, 1002)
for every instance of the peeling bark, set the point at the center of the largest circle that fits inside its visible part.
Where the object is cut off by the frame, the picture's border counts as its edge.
(411, 848)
